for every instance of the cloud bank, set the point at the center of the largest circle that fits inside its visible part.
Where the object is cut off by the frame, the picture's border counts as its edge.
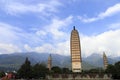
(109, 12)
(44, 8)
(52, 35)
(107, 41)
(60, 44)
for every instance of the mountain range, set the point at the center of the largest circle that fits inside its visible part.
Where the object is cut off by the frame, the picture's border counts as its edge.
(15, 60)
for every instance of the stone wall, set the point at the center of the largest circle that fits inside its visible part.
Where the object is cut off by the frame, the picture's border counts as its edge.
(79, 77)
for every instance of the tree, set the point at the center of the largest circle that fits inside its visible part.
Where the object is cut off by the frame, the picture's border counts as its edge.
(110, 69)
(114, 70)
(56, 69)
(2, 74)
(39, 71)
(25, 70)
(95, 70)
(65, 70)
(117, 67)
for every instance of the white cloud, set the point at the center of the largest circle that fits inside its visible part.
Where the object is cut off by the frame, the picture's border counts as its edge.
(28, 48)
(11, 37)
(8, 48)
(58, 37)
(41, 33)
(109, 12)
(62, 48)
(57, 25)
(38, 41)
(114, 26)
(56, 34)
(107, 41)
(45, 48)
(8, 33)
(42, 8)
(16, 37)
(55, 28)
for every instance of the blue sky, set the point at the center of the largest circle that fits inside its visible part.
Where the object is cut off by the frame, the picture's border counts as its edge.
(44, 26)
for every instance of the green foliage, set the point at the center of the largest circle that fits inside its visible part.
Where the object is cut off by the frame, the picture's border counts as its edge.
(2, 74)
(56, 69)
(26, 70)
(65, 70)
(110, 69)
(95, 70)
(114, 70)
(39, 71)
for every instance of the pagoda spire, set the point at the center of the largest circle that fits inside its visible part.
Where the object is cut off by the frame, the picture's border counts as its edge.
(105, 61)
(73, 27)
(49, 62)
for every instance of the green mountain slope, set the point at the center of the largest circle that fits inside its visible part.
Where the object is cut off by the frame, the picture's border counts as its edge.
(14, 61)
